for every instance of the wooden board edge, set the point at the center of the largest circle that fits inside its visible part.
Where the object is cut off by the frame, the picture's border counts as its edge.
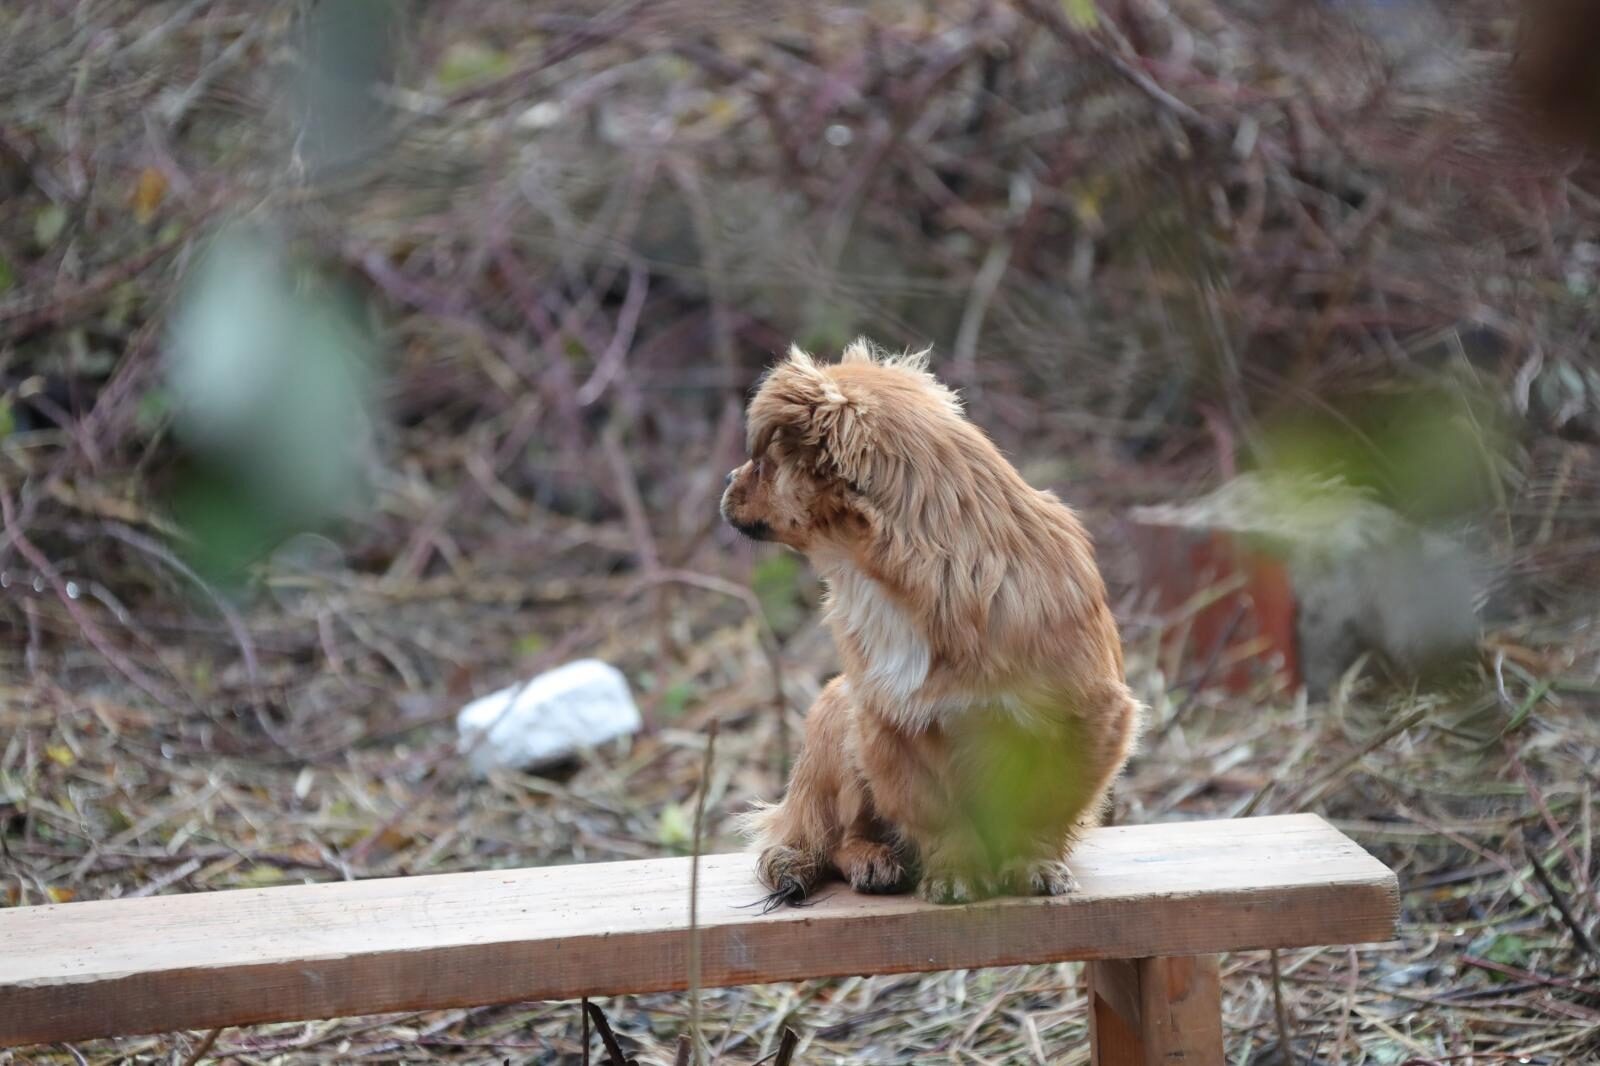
(633, 963)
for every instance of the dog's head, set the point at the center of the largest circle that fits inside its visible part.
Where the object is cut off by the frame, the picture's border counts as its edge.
(832, 445)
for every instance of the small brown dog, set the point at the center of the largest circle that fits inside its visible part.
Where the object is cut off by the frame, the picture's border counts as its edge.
(982, 713)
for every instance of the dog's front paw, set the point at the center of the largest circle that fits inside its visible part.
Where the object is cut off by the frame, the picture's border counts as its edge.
(790, 873)
(872, 868)
(1037, 877)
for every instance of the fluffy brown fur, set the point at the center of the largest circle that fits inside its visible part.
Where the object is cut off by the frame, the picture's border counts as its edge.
(982, 714)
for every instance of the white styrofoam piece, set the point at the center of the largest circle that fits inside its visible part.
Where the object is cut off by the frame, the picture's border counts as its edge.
(555, 715)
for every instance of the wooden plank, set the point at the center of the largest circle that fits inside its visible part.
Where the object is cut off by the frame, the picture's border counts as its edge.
(77, 970)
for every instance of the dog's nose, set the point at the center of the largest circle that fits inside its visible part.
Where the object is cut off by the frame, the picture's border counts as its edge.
(729, 479)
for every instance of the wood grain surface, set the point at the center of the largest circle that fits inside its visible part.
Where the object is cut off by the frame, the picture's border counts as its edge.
(79, 970)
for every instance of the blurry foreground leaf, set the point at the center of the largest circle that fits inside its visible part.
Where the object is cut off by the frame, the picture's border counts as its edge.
(1429, 453)
(351, 51)
(269, 375)
(228, 526)
(776, 581)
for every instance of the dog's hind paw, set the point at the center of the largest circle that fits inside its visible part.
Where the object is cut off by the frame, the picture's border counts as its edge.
(953, 888)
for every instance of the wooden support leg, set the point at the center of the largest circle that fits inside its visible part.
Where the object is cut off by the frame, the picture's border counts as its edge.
(1155, 1012)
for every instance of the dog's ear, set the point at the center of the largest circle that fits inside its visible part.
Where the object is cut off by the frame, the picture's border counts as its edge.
(842, 426)
(805, 404)
(784, 403)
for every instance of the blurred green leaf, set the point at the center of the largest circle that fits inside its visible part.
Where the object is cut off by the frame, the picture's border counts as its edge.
(228, 526)
(125, 299)
(1090, 194)
(828, 328)
(466, 62)
(350, 51)
(48, 222)
(154, 406)
(574, 348)
(776, 581)
(8, 276)
(675, 700)
(1023, 777)
(1509, 949)
(8, 420)
(1386, 1052)
(675, 828)
(260, 876)
(1081, 13)
(1427, 453)
(531, 644)
(269, 374)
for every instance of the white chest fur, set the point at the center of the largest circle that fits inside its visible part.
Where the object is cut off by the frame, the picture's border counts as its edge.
(896, 654)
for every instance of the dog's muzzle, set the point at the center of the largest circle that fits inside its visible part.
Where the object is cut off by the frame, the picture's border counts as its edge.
(753, 530)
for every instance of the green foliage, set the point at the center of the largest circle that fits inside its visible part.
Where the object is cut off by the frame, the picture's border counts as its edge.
(269, 376)
(466, 62)
(261, 876)
(776, 581)
(828, 328)
(154, 407)
(676, 699)
(1428, 453)
(1081, 13)
(48, 222)
(1385, 1052)
(350, 48)
(1024, 778)
(675, 827)
(1507, 949)
(229, 526)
